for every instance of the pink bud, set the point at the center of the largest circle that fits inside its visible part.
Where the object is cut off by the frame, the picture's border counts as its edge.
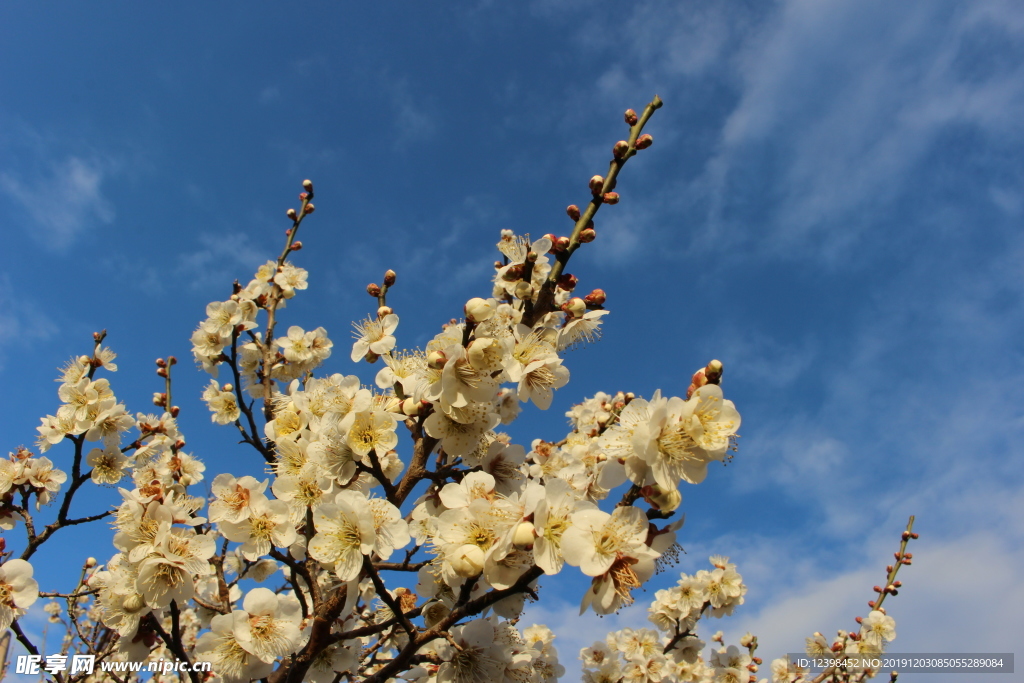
(611, 198)
(596, 184)
(562, 244)
(303, 196)
(567, 281)
(389, 277)
(296, 245)
(588, 235)
(308, 184)
(309, 208)
(595, 298)
(573, 211)
(291, 214)
(174, 413)
(620, 148)
(644, 141)
(373, 289)
(631, 117)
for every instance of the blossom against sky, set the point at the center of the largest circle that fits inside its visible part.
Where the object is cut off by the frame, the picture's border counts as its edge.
(832, 206)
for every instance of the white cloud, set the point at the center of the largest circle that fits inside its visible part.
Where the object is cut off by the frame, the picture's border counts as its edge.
(63, 199)
(22, 322)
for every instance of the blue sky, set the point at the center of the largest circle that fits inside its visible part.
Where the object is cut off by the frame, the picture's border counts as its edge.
(833, 206)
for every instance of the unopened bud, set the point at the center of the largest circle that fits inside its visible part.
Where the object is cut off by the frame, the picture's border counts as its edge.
(384, 310)
(162, 371)
(303, 196)
(666, 501)
(859, 620)
(567, 281)
(133, 603)
(562, 244)
(897, 584)
(915, 535)
(291, 214)
(174, 411)
(434, 612)
(596, 184)
(371, 357)
(468, 560)
(90, 562)
(573, 211)
(161, 363)
(171, 360)
(575, 307)
(412, 407)
(713, 372)
(620, 149)
(478, 310)
(513, 273)
(159, 399)
(588, 235)
(389, 277)
(228, 387)
(309, 208)
(308, 184)
(436, 359)
(905, 535)
(532, 256)
(296, 245)
(524, 290)
(373, 289)
(631, 117)
(596, 297)
(610, 198)
(644, 141)
(524, 535)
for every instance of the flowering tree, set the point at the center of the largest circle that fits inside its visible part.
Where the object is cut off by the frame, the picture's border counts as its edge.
(388, 565)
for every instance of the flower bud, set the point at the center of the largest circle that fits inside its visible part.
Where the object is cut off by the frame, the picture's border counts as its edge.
(161, 363)
(171, 360)
(587, 235)
(436, 359)
(596, 184)
(524, 535)
(308, 185)
(532, 256)
(371, 357)
(610, 198)
(575, 307)
(228, 387)
(296, 245)
(309, 208)
(573, 211)
(303, 196)
(713, 372)
(159, 399)
(562, 244)
(666, 501)
(161, 372)
(434, 612)
(631, 117)
(373, 289)
(291, 214)
(644, 141)
(567, 281)
(620, 149)
(478, 310)
(389, 277)
(412, 407)
(133, 603)
(595, 298)
(384, 310)
(90, 562)
(513, 273)
(524, 290)
(468, 561)
(84, 360)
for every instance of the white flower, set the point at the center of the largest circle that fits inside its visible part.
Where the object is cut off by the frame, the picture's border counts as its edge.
(370, 430)
(269, 524)
(107, 465)
(18, 590)
(269, 625)
(230, 660)
(233, 497)
(391, 531)
(344, 533)
(45, 478)
(878, 629)
(375, 335)
(289, 278)
(582, 330)
(221, 403)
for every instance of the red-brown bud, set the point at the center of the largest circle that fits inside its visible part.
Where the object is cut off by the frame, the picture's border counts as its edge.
(389, 277)
(384, 310)
(620, 148)
(905, 535)
(915, 535)
(309, 208)
(291, 214)
(897, 584)
(567, 281)
(631, 117)
(180, 443)
(562, 244)
(161, 372)
(296, 245)
(596, 184)
(644, 141)
(373, 289)
(514, 272)
(595, 298)
(859, 620)
(171, 360)
(573, 211)
(877, 589)
(587, 235)
(531, 257)
(303, 196)
(610, 198)
(161, 363)
(888, 568)
(174, 413)
(308, 185)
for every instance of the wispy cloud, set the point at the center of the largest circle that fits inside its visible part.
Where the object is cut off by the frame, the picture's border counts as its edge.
(22, 322)
(62, 198)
